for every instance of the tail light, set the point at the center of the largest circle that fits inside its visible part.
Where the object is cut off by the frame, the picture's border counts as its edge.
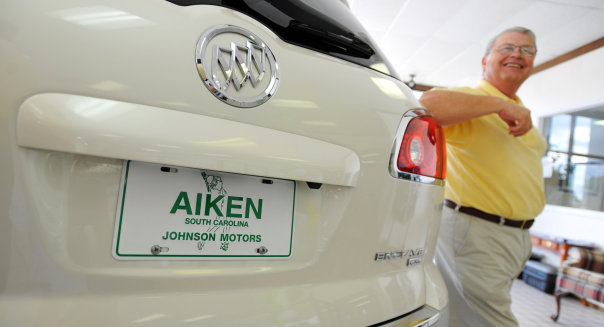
(421, 151)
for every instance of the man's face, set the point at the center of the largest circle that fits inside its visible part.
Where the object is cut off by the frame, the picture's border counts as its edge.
(500, 66)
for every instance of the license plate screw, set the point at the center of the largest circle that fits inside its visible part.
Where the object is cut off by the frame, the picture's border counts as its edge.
(262, 250)
(156, 249)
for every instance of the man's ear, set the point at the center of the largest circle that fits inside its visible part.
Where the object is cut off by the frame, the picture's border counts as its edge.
(484, 62)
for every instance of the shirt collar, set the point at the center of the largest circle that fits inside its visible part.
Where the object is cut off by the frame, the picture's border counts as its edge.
(489, 89)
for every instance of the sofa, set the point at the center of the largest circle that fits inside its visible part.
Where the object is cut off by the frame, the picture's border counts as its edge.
(582, 275)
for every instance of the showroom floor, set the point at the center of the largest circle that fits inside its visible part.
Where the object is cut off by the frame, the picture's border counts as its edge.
(533, 308)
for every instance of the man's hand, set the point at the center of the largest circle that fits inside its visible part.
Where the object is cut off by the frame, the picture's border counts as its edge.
(517, 117)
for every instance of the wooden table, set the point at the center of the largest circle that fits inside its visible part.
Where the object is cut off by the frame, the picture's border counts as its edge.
(559, 244)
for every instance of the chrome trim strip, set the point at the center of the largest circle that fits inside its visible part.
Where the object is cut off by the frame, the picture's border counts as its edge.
(394, 171)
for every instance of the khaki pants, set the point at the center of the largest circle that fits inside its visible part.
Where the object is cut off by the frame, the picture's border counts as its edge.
(479, 261)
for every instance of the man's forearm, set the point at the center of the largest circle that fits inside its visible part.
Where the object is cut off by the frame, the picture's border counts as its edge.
(449, 107)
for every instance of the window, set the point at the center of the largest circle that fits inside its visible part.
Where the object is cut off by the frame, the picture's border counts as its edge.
(574, 163)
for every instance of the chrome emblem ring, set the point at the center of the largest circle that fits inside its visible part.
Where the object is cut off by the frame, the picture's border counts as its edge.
(237, 66)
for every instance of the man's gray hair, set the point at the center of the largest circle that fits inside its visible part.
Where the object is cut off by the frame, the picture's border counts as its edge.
(518, 29)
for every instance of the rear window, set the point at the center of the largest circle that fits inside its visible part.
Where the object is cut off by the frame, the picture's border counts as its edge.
(325, 26)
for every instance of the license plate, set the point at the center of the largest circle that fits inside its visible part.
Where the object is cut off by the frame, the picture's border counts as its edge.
(168, 212)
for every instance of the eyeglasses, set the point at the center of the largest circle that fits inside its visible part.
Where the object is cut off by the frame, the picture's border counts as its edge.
(525, 50)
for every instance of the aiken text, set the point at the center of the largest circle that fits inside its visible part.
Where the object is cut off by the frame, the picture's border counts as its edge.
(234, 205)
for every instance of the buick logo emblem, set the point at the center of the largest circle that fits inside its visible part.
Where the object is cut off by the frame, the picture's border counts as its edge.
(237, 66)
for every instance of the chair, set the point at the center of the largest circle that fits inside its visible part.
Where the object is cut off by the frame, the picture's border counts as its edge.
(581, 274)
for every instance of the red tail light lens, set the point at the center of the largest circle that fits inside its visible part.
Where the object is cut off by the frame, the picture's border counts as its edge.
(422, 150)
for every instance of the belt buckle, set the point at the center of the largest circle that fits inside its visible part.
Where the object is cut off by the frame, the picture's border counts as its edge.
(523, 223)
(501, 220)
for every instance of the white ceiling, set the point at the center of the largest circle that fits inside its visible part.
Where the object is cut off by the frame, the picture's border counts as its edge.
(442, 41)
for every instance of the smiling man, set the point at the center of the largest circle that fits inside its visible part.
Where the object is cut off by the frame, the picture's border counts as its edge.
(494, 186)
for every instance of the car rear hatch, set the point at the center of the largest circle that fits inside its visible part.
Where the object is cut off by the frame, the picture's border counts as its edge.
(123, 164)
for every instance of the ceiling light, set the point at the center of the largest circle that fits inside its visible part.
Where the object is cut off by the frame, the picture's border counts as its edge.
(411, 84)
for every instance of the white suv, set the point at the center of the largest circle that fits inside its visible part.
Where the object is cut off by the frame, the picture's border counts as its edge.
(211, 163)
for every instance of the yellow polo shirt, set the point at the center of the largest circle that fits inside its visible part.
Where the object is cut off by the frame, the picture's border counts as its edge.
(491, 170)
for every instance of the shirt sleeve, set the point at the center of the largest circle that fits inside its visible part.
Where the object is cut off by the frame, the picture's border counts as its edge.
(458, 134)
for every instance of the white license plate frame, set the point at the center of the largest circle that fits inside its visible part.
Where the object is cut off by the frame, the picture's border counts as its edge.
(168, 212)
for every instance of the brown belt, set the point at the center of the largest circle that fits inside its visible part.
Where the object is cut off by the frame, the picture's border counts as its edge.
(522, 224)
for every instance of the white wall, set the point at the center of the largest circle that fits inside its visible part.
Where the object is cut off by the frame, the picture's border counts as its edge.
(571, 223)
(574, 85)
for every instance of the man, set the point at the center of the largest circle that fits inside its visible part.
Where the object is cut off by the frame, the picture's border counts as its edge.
(494, 186)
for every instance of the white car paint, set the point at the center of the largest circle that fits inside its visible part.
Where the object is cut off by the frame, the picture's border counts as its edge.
(87, 85)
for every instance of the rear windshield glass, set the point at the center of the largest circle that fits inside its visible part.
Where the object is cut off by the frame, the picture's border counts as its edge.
(320, 25)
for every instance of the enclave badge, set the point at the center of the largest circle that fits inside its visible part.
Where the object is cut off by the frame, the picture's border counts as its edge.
(237, 66)
(414, 256)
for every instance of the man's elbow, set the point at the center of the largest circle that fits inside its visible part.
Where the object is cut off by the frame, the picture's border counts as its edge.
(429, 101)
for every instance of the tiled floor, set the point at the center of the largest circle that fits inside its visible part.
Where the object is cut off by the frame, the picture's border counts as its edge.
(533, 308)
